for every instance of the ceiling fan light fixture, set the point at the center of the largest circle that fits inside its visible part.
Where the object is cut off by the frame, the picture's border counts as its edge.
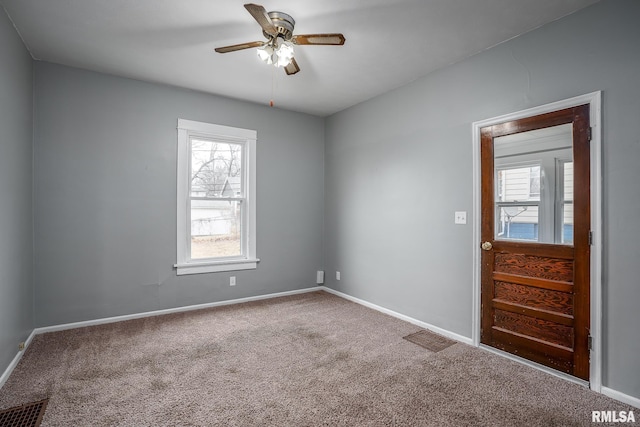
(266, 53)
(284, 52)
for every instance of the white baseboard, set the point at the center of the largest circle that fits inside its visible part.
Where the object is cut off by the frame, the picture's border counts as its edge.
(16, 359)
(114, 319)
(397, 315)
(614, 394)
(624, 398)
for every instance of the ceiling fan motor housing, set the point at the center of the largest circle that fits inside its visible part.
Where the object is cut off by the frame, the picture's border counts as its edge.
(284, 24)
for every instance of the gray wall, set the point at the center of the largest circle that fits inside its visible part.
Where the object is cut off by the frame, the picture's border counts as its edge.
(399, 165)
(105, 196)
(16, 215)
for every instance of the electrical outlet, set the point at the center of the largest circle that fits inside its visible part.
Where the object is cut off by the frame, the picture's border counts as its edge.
(21, 346)
(337, 275)
(460, 217)
(232, 281)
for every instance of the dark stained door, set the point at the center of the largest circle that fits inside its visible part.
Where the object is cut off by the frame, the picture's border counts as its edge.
(535, 291)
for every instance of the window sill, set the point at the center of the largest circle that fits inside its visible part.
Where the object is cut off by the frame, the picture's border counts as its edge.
(216, 266)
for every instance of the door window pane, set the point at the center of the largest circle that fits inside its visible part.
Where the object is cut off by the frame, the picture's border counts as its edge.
(534, 185)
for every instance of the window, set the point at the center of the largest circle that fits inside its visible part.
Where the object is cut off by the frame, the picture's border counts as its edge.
(518, 202)
(534, 185)
(216, 198)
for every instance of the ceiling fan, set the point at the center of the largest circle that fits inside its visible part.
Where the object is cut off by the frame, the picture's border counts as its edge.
(277, 27)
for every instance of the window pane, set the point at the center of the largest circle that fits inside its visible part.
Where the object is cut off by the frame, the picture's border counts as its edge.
(517, 222)
(216, 169)
(215, 228)
(518, 184)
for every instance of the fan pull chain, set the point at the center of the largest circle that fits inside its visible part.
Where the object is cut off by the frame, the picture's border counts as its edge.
(273, 86)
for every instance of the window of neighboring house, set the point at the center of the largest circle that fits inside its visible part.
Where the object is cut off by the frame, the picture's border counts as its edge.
(518, 202)
(534, 198)
(216, 198)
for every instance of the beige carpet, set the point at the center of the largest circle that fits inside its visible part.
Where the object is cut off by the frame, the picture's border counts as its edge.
(306, 360)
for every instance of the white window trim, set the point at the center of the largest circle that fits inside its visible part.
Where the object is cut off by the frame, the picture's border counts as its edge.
(248, 138)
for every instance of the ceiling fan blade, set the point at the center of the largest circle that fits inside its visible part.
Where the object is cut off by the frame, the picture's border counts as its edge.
(292, 68)
(240, 46)
(321, 39)
(260, 14)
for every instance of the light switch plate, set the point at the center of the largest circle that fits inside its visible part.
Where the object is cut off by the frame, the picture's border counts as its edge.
(460, 217)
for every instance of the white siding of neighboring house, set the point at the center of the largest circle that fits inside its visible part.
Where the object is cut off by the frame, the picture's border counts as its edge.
(209, 221)
(214, 218)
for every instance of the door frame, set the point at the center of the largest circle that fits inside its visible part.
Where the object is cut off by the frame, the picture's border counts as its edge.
(594, 99)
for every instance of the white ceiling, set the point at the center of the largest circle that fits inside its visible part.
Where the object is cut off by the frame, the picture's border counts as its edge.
(388, 42)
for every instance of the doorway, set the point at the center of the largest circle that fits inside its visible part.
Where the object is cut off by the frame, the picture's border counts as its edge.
(534, 237)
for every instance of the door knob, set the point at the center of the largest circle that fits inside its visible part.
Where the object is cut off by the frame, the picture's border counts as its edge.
(487, 246)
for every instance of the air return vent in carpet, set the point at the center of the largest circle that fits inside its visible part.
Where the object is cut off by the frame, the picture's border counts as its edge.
(430, 341)
(27, 415)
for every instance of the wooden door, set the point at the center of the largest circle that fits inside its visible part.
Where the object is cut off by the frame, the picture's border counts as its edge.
(535, 291)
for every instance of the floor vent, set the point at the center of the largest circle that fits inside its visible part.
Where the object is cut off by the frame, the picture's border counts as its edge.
(430, 341)
(27, 415)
